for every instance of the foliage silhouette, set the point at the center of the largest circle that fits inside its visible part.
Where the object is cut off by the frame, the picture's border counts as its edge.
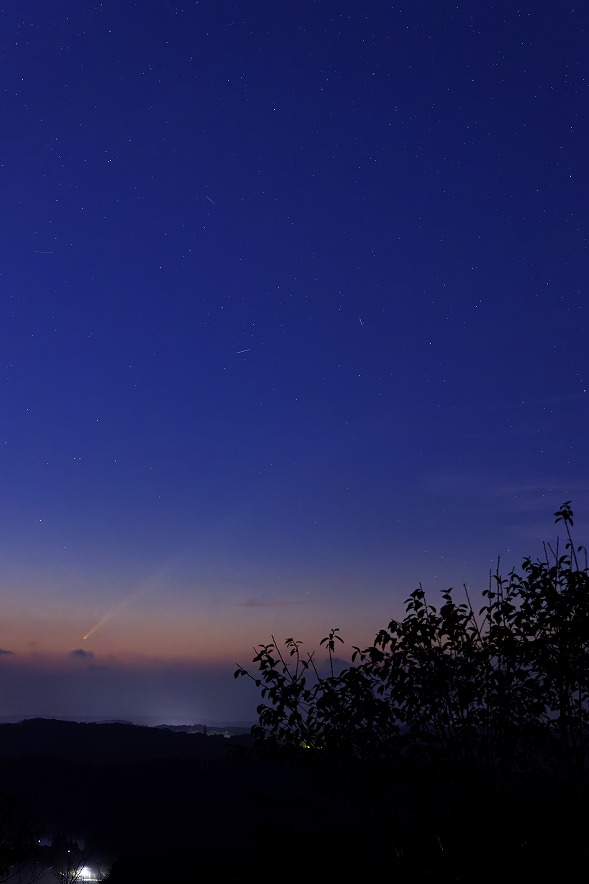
(450, 709)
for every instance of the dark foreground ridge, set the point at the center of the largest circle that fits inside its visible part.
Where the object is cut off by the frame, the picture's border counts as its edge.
(155, 805)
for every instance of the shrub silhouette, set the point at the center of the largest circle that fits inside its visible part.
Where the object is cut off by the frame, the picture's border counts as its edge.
(483, 711)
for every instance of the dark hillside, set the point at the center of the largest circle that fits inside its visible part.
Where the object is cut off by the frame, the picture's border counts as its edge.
(102, 743)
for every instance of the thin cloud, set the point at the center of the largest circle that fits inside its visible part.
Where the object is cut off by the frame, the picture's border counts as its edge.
(82, 654)
(271, 603)
(5, 653)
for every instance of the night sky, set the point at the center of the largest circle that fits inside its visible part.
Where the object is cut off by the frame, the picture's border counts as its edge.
(293, 317)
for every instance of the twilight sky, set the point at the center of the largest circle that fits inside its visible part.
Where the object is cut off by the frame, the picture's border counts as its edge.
(293, 316)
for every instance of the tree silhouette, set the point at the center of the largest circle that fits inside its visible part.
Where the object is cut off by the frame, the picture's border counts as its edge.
(450, 708)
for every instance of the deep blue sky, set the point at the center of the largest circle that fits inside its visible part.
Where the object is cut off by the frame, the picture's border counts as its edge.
(293, 316)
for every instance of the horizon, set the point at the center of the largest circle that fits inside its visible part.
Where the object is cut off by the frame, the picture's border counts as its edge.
(138, 721)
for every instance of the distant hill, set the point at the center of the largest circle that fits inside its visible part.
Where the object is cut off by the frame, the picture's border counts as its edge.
(113, 741)
(210, 730)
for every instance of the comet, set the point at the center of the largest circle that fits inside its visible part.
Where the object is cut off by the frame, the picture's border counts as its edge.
(114, 611)
(154, 582)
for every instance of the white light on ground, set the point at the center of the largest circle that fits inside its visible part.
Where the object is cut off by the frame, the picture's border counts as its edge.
(87, 874)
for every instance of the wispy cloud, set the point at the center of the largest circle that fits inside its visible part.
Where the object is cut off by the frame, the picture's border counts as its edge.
(271, 603)
(5, 653)
(498, 496)
(535, 495)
